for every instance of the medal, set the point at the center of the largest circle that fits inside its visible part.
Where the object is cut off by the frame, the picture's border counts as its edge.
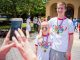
(45, 43)
(45, 50)
(59, 26)
(58, 32)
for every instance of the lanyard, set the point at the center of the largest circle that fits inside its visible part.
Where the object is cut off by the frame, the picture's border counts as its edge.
(59, 25)
(45, 42)
(46, 37)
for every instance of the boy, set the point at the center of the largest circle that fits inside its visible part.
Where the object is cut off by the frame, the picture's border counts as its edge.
(63, 30)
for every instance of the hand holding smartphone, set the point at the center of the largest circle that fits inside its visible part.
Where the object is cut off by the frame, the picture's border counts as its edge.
(15, 24)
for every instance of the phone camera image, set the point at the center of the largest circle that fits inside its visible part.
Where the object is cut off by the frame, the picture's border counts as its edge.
(15, 24)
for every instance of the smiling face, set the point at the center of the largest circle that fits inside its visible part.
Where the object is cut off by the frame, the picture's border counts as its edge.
(61, 8)
(45, 28)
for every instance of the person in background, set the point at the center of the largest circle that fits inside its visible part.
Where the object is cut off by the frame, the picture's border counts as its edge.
(63, 30)
(28, 21)
(39, 23)
(48, 18)
(79, 29)
(75, 24)
(35, 19)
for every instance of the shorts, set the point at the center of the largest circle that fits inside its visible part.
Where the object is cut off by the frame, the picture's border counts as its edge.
(56, 55)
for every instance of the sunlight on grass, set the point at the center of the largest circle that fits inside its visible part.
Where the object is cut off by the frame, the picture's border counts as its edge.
(3, 19)
(5, 27)
(24, 25)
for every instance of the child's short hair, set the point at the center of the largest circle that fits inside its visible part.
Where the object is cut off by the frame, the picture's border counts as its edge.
(44, 23)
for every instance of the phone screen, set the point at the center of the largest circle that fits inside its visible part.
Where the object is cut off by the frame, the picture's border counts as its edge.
(15, 24)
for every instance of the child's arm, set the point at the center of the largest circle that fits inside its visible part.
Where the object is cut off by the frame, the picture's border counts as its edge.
(36, 48)
(36, 45)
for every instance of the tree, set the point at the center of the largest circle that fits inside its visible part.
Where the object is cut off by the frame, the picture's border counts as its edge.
(19, 7)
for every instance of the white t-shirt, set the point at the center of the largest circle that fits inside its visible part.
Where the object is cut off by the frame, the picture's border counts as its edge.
(39, 21)
(28, 24)
(28, 21)
(60, 39)
(35, 20)
(40, 52)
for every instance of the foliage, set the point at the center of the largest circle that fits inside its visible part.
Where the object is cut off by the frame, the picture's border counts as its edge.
(19, 7)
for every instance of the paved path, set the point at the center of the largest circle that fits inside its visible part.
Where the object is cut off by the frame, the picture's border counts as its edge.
(76, 48)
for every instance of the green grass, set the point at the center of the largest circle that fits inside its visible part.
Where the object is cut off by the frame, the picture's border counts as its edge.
(5, 27)
(23, 25)
(8, 26)
(3, 19)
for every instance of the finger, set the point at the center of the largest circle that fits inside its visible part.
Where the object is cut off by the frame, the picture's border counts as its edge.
(7, 46)
(66, 56)
(21, 33)
(18, 36)
(7, 36)
(6, 40)
(11, 44)
(15, 40)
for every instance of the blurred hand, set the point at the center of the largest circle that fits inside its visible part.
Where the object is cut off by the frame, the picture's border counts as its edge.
(68, 55)
(7, 44)
(24, 46)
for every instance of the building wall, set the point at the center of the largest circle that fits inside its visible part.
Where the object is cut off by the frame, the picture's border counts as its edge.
(51, 7)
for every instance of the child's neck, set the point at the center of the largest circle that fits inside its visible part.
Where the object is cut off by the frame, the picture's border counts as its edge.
(45, 34)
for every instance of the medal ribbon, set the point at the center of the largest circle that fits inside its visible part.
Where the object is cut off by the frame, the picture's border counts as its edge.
(60, 24)
(45, 43)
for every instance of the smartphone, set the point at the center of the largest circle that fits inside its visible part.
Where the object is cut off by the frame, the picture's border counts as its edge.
(15, 24)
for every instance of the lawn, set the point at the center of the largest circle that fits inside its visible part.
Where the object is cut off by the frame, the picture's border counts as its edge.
(24, 25)
(5, 27)
(8, 26)
(3, 19)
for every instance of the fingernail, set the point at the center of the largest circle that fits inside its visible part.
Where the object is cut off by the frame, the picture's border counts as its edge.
(16, 33)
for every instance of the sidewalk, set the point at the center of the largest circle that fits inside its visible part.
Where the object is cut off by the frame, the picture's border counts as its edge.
(76, 47)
